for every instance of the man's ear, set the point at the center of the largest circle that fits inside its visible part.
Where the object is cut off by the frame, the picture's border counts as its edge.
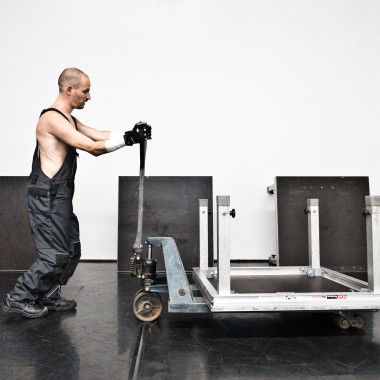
(68, 90)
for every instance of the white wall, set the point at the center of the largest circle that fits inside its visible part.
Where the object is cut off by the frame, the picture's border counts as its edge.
(242, 90)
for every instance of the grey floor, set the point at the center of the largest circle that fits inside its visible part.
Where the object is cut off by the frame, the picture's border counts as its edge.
(103, 340)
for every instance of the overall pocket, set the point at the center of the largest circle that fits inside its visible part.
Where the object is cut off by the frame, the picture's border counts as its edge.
(38, 199)
(39, 216)
(41, 230)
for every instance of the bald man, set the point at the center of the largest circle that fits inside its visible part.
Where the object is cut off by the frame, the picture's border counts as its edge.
(53, 224)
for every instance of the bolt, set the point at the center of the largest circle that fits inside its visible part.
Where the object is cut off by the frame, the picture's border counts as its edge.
(182, 292)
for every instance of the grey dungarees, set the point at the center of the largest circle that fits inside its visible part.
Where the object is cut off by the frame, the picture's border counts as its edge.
(54, 228)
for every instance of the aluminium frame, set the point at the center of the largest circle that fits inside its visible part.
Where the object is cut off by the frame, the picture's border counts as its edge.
(359, 295)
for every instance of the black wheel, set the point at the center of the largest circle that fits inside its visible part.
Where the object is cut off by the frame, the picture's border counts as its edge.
(342, 322)
(360, 321)
(147, 306)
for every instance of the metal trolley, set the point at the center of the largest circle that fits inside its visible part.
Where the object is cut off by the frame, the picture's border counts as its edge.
(259, 289)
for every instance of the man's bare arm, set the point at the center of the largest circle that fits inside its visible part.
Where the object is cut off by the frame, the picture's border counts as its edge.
(64, 131)
(93, 133)
(116, 140)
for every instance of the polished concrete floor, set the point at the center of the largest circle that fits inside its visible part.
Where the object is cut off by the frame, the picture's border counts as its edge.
(103, 340)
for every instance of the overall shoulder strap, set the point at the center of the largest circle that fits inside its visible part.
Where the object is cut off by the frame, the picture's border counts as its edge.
(75, 122)
(55, 110)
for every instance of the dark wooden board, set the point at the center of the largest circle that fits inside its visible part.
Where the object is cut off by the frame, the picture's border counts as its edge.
(17, 250)
(171, 208)
(282, 284)
(342, 227)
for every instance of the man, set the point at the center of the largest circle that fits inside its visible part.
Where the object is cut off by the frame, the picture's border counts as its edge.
(54, 226)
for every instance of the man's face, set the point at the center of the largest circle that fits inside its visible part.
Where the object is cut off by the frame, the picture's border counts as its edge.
(80, 95)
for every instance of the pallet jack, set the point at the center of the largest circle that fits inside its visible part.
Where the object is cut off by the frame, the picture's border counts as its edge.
(320, 289)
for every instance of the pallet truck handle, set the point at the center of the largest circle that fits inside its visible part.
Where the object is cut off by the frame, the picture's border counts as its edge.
(137, 247)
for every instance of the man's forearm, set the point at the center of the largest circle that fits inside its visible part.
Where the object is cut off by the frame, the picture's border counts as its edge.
(98, 148)
(94, 134)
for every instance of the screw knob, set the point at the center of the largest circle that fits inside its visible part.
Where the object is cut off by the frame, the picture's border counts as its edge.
(365, 212)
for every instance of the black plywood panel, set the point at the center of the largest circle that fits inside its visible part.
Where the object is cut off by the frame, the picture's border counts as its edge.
(283, 284)
(16, 245)
(342, 227)
(171, 208)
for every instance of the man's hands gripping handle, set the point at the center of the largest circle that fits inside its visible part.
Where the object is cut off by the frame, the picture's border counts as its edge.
(140, 133)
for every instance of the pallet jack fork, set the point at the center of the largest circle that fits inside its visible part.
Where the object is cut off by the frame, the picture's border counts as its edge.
(212, 290)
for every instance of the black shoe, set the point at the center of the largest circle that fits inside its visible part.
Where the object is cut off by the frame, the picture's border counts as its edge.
(26, 308)
(58, 304)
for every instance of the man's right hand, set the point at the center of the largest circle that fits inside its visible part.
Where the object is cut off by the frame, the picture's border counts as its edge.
(140, 133)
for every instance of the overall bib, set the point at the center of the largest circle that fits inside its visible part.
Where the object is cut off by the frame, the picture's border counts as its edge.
(54, 227)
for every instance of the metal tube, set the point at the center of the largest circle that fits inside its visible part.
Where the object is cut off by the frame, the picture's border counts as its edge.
(149, 252)
(373, 242)
(223, 231)
(313, 232)
(138, 246)
(203, 234)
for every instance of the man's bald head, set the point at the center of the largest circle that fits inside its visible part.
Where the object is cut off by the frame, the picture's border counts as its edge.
(70, 77)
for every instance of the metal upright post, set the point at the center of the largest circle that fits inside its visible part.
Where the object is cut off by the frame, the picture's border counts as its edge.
(373, 241)
(313, 232)
(223, 232)
(203, 234)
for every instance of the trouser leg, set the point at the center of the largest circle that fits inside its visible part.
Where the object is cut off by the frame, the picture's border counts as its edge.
(74, 252)
(40, 277)
(51, 232)
(72, 261)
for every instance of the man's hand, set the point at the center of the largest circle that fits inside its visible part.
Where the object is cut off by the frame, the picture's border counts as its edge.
(140, 133)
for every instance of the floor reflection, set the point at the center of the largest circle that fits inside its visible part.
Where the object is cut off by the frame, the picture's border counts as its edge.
(103, 340)
(37, 349)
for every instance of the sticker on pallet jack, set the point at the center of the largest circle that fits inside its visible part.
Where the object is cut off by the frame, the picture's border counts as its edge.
(331, 297)
(336, 297)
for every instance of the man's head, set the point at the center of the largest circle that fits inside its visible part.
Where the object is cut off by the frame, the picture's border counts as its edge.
(74, 85)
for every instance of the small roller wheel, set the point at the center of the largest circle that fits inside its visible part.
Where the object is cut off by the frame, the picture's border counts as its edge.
(342, 322)
(147, 306)
(360, 321)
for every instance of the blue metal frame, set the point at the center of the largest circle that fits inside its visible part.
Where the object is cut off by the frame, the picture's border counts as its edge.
(182, 297)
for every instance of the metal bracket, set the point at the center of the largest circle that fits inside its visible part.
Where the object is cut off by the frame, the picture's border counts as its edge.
(181, 297)
(156, 288)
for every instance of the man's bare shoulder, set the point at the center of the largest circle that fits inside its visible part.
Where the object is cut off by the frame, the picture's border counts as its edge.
(53, 126)
(52, 148)
(50, 121)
